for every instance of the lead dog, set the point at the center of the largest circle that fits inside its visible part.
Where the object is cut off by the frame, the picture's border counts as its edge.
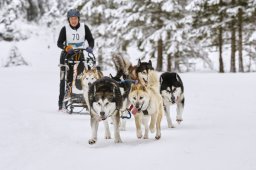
(149, 104)
(105, 100)
(125, 86)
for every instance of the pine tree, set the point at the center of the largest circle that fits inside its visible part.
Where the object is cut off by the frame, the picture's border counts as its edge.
(246, 28)
(209, 23)
(13, 12)
(15, 58)
(236, 8)
(250, 34)
(233, 44)
(240, 36)
(99, 14)
(147, 23)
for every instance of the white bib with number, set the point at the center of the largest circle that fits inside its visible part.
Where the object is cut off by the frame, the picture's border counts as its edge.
(75, 38)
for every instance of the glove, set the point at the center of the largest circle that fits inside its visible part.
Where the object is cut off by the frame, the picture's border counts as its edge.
(89, 50)
(69, 49)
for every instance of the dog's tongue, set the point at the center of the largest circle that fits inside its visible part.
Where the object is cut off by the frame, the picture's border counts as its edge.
(134, 110)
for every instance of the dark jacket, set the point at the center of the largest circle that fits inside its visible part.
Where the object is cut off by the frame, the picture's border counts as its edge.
(62, 36)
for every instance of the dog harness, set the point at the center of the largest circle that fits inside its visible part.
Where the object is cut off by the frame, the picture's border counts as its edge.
(94, 113)
(75, 37)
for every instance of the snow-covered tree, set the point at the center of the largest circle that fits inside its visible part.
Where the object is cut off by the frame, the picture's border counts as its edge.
(147, 24)
(208, 23)
(15, 58)
(224, 22)
(173, 33)
(249, 33)
(11, 11)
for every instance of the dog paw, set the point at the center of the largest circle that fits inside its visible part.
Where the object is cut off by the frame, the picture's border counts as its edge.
(139, 134)
(158, 137)
(171, 126)
(179, 120)
(139, 137)
(92, 141)
(118, 140)
(107, 137)
(145, 137)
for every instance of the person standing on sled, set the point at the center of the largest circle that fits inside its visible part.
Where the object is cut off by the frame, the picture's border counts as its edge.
(72, 36)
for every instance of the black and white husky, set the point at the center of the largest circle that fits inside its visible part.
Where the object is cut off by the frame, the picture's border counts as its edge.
(125, 86)
(105, 101)
(172, 91)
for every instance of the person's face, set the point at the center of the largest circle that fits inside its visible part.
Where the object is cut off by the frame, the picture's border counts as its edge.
(73, 21)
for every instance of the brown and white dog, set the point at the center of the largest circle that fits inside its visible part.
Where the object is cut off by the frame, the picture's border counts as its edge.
(126, 70)
(143, 72)
(149, 104)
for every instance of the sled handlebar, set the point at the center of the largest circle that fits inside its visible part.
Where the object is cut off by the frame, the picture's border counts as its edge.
(79, 49)
(74, 62)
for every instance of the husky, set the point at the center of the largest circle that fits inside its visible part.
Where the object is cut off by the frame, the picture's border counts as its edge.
(87, 78)
(125, 68)
(172, 92)
(105, 100)
(125, 86)
(142, 72)
(149, 104)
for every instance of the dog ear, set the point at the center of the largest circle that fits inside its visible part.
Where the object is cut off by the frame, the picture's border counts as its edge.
(94, 90)
(94, 70)
(161, 79)
(80, 76)
(91, 94)
(114, 91)
(149, 62)
(139, 62)
(118, 97)
(84, 71)
(110, 75)
(144, 88)
(177, 78)
(133, 87)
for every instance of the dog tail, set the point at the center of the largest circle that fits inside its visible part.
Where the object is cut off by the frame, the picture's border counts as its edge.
(121, 63)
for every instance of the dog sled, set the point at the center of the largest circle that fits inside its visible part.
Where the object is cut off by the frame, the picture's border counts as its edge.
(74, 101)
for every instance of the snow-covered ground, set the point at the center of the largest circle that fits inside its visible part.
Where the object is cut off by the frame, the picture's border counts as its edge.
(218, 131)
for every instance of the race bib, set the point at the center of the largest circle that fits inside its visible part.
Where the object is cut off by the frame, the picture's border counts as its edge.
(75, 38)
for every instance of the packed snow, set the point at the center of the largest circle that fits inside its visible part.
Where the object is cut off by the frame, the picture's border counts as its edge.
(218, 131)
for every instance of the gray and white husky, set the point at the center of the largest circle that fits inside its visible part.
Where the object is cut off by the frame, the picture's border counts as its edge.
(172, 92)
(87, 78)
(105, 101)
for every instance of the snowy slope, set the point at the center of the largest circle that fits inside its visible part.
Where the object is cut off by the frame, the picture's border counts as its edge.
(218, 131)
